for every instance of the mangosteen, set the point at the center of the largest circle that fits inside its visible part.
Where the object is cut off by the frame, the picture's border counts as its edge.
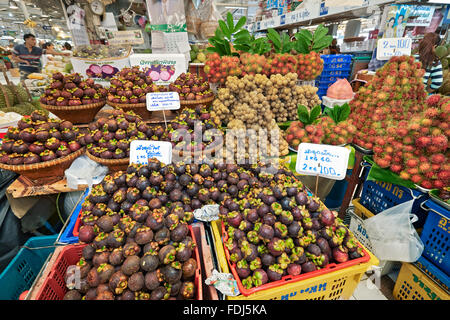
(179, 232)
(162, 236)
(136, 281)
(143, 235)
(131, 265)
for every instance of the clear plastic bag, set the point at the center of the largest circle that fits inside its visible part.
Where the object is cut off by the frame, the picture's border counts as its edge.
(393, 236)
(84, 171)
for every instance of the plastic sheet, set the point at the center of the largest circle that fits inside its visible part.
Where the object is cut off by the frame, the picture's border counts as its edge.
(85, 171)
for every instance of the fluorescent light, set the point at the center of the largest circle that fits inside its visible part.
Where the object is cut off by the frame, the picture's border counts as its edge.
(439, 1)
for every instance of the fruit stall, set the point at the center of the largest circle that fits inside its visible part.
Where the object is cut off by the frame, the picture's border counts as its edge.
(205, 200)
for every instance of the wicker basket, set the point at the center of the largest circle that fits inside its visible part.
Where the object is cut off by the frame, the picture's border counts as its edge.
(112, 164)
(193, 103)
(138, 108)
(43, 170)
(76, 114)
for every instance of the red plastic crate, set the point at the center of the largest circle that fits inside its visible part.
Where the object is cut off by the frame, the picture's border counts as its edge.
(54, 286)
(289, 279)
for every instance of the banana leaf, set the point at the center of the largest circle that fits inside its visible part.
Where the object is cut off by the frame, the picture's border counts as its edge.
(379, 174)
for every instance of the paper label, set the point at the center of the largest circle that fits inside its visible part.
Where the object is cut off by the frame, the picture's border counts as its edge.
(127, 37)
(157, 101)
(322, 160)
(391, 47)
(163, 68)
(142, 150)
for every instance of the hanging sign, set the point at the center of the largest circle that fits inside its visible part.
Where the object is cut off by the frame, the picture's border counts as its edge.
(392, 47)
(322, 160)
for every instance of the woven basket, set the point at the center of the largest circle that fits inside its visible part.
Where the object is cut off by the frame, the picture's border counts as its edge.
(43, 170)
(196, 154)
(138, 108)
(76, 114)
(112, 164)
(193, 103)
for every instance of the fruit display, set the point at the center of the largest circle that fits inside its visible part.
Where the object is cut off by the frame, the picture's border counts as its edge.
(408, 132)
(17, 98)
(275, 229)
(244, 104)
(100, 51)
(235, 52)
(197, 54)
(191, 87)
(130, 86)
(72, 90)
(38, 139)
(193, 131)
(332, 128)
(110, 138)
(139, 243)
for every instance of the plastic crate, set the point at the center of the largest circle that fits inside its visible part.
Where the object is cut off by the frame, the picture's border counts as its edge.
(336, 282)
(413, 284)
(435, 236)
(54, 286)
(356, 225)
(336, 58)
(333, 79)
(334, 73)
(378, 196)
(67, 235)
(21, 272)
(433, 272)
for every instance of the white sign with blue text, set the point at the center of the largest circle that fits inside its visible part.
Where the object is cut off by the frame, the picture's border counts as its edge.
(142, 150)
(322, 160)
(392, 47)
(157, 101)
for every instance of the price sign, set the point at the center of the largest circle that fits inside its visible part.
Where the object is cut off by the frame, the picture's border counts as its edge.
(322, 160)
(142, 150)
(391, 47)
(157, 101)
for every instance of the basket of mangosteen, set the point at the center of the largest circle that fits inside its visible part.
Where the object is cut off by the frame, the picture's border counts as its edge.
(40, 147)
(128, 89)
(205, 138)
(71, 98)
(192, 89)
(108, 139)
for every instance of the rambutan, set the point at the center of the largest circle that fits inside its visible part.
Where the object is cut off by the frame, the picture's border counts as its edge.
(426, 184)
(416, 179)
(438, 158)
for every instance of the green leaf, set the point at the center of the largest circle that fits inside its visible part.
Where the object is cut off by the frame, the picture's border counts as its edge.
(315, 113)
(301, 46)
(323, 43)
(230, 22)
(242, 47)
(306, 34)
(240, 24)
(345, 112)
(303, 114)
(224, 29)
(275, 38)
(320, 32)
(218, 33)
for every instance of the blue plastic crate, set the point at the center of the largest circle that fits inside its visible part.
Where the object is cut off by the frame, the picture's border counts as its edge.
(21, 272)
(333, 79)
(336, 58)
(67, 234)
(334, 73)
(433, 272)
(435, 236)
(378, 196)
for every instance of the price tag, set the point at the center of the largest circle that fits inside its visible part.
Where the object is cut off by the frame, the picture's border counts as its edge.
(142, 150)
(157, 101)
(391, 47)
(322, 160)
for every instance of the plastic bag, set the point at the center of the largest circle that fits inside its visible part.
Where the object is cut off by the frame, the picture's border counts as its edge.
(340, 90)
(393, 236)
(85, 171)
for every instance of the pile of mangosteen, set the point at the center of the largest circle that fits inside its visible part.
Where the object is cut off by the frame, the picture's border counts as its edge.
(38, 139)
(136, 225)
(191, 87)
(194, 122)
(110, 138)
(130, 86)
(72, 90)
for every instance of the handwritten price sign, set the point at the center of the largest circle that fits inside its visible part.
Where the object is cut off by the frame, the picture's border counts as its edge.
(391, 47)
(157, 101)
(322, 160)
(142, 150)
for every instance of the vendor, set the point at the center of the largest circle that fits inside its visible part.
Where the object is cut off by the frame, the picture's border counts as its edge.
(28, 56)
(433, 77)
